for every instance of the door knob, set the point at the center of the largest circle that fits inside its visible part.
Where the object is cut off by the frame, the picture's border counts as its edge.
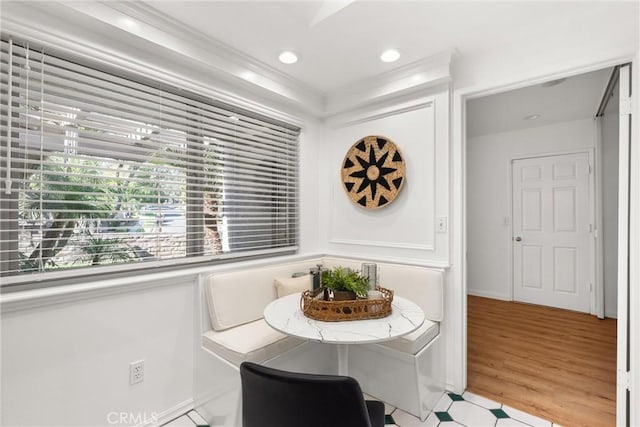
(518, 239)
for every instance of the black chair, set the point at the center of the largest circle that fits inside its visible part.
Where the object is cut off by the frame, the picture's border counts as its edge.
(275, 398)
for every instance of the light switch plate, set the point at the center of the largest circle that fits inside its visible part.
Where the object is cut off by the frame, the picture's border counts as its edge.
(441, 224)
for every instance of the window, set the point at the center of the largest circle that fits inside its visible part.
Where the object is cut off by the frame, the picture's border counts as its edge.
(102, 172)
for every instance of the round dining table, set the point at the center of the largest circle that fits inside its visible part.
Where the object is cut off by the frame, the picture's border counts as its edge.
(285, 315)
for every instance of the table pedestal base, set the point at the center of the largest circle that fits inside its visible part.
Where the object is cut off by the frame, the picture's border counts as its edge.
(343, 359)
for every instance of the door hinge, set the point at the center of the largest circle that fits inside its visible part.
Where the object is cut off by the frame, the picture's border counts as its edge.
(590, 169)
(625, 106)
(624, 379)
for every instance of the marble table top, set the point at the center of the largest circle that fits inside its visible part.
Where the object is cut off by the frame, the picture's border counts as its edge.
(285, 315)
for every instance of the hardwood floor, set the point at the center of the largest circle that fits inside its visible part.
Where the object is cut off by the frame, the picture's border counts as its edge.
(556, 364)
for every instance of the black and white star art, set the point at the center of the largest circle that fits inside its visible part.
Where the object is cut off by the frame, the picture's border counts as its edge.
(373, 172)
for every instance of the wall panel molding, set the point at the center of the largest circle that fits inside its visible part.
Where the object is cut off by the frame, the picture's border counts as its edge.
(383, 244)
(409, 223)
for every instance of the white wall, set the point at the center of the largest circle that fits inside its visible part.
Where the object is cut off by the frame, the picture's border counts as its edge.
(510, 69)
(488, 196)
(507, 68)
(610, 131)
(67, 364)
(310, 151)
(405, 229)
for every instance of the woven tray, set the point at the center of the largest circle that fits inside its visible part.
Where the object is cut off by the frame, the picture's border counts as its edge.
(315, 307)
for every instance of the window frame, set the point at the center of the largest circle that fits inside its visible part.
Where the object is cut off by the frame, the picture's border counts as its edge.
(194, 221)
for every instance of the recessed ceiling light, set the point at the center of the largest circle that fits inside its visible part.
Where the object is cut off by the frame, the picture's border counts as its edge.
(390, 55)
(288, 57)
(532, 117)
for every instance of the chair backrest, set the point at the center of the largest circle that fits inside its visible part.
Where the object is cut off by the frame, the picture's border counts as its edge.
(275, 398)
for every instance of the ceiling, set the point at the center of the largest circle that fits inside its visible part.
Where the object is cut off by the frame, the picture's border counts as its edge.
(574, 98)
(339, 42)
(233, 47)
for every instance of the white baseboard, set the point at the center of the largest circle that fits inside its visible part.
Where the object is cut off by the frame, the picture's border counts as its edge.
(611, 314)
(450, 388)
(168, 415)
(488, 294)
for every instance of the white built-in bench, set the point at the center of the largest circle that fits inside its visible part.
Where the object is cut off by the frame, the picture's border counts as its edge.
(406, 372)
(236, 302)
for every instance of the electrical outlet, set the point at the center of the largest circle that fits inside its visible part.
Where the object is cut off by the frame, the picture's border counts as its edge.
(136, 372)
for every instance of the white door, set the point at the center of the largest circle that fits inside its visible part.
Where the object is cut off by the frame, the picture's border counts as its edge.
(552, 242)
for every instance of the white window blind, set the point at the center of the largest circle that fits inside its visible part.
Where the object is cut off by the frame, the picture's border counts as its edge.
(101, 170)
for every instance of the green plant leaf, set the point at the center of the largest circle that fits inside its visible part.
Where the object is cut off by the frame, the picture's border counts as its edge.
(345, 279)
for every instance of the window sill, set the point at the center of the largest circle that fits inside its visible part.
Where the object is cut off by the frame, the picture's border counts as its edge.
(28, 299)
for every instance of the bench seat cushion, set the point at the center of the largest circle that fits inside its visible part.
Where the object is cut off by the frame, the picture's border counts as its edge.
(412, 343)
(255, 342)
(240, 296)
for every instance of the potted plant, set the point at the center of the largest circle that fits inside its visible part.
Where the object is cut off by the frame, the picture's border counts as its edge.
(345, 283)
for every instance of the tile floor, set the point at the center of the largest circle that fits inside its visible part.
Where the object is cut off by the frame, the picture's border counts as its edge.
(467, 410)
(190, 419)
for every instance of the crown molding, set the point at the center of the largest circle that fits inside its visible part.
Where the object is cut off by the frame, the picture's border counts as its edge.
(411, 78)
(222, 56)
(111, 29)
(394, 107)
(156, 27)
(175, 35)
(58, 29)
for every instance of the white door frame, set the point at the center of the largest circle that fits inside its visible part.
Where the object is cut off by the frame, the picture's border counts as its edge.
(598, 294)
(634, 247)
(624, 196)
(593, 206)
(456, 307)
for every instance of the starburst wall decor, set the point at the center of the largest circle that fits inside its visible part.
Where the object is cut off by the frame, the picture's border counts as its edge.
(373, 172)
